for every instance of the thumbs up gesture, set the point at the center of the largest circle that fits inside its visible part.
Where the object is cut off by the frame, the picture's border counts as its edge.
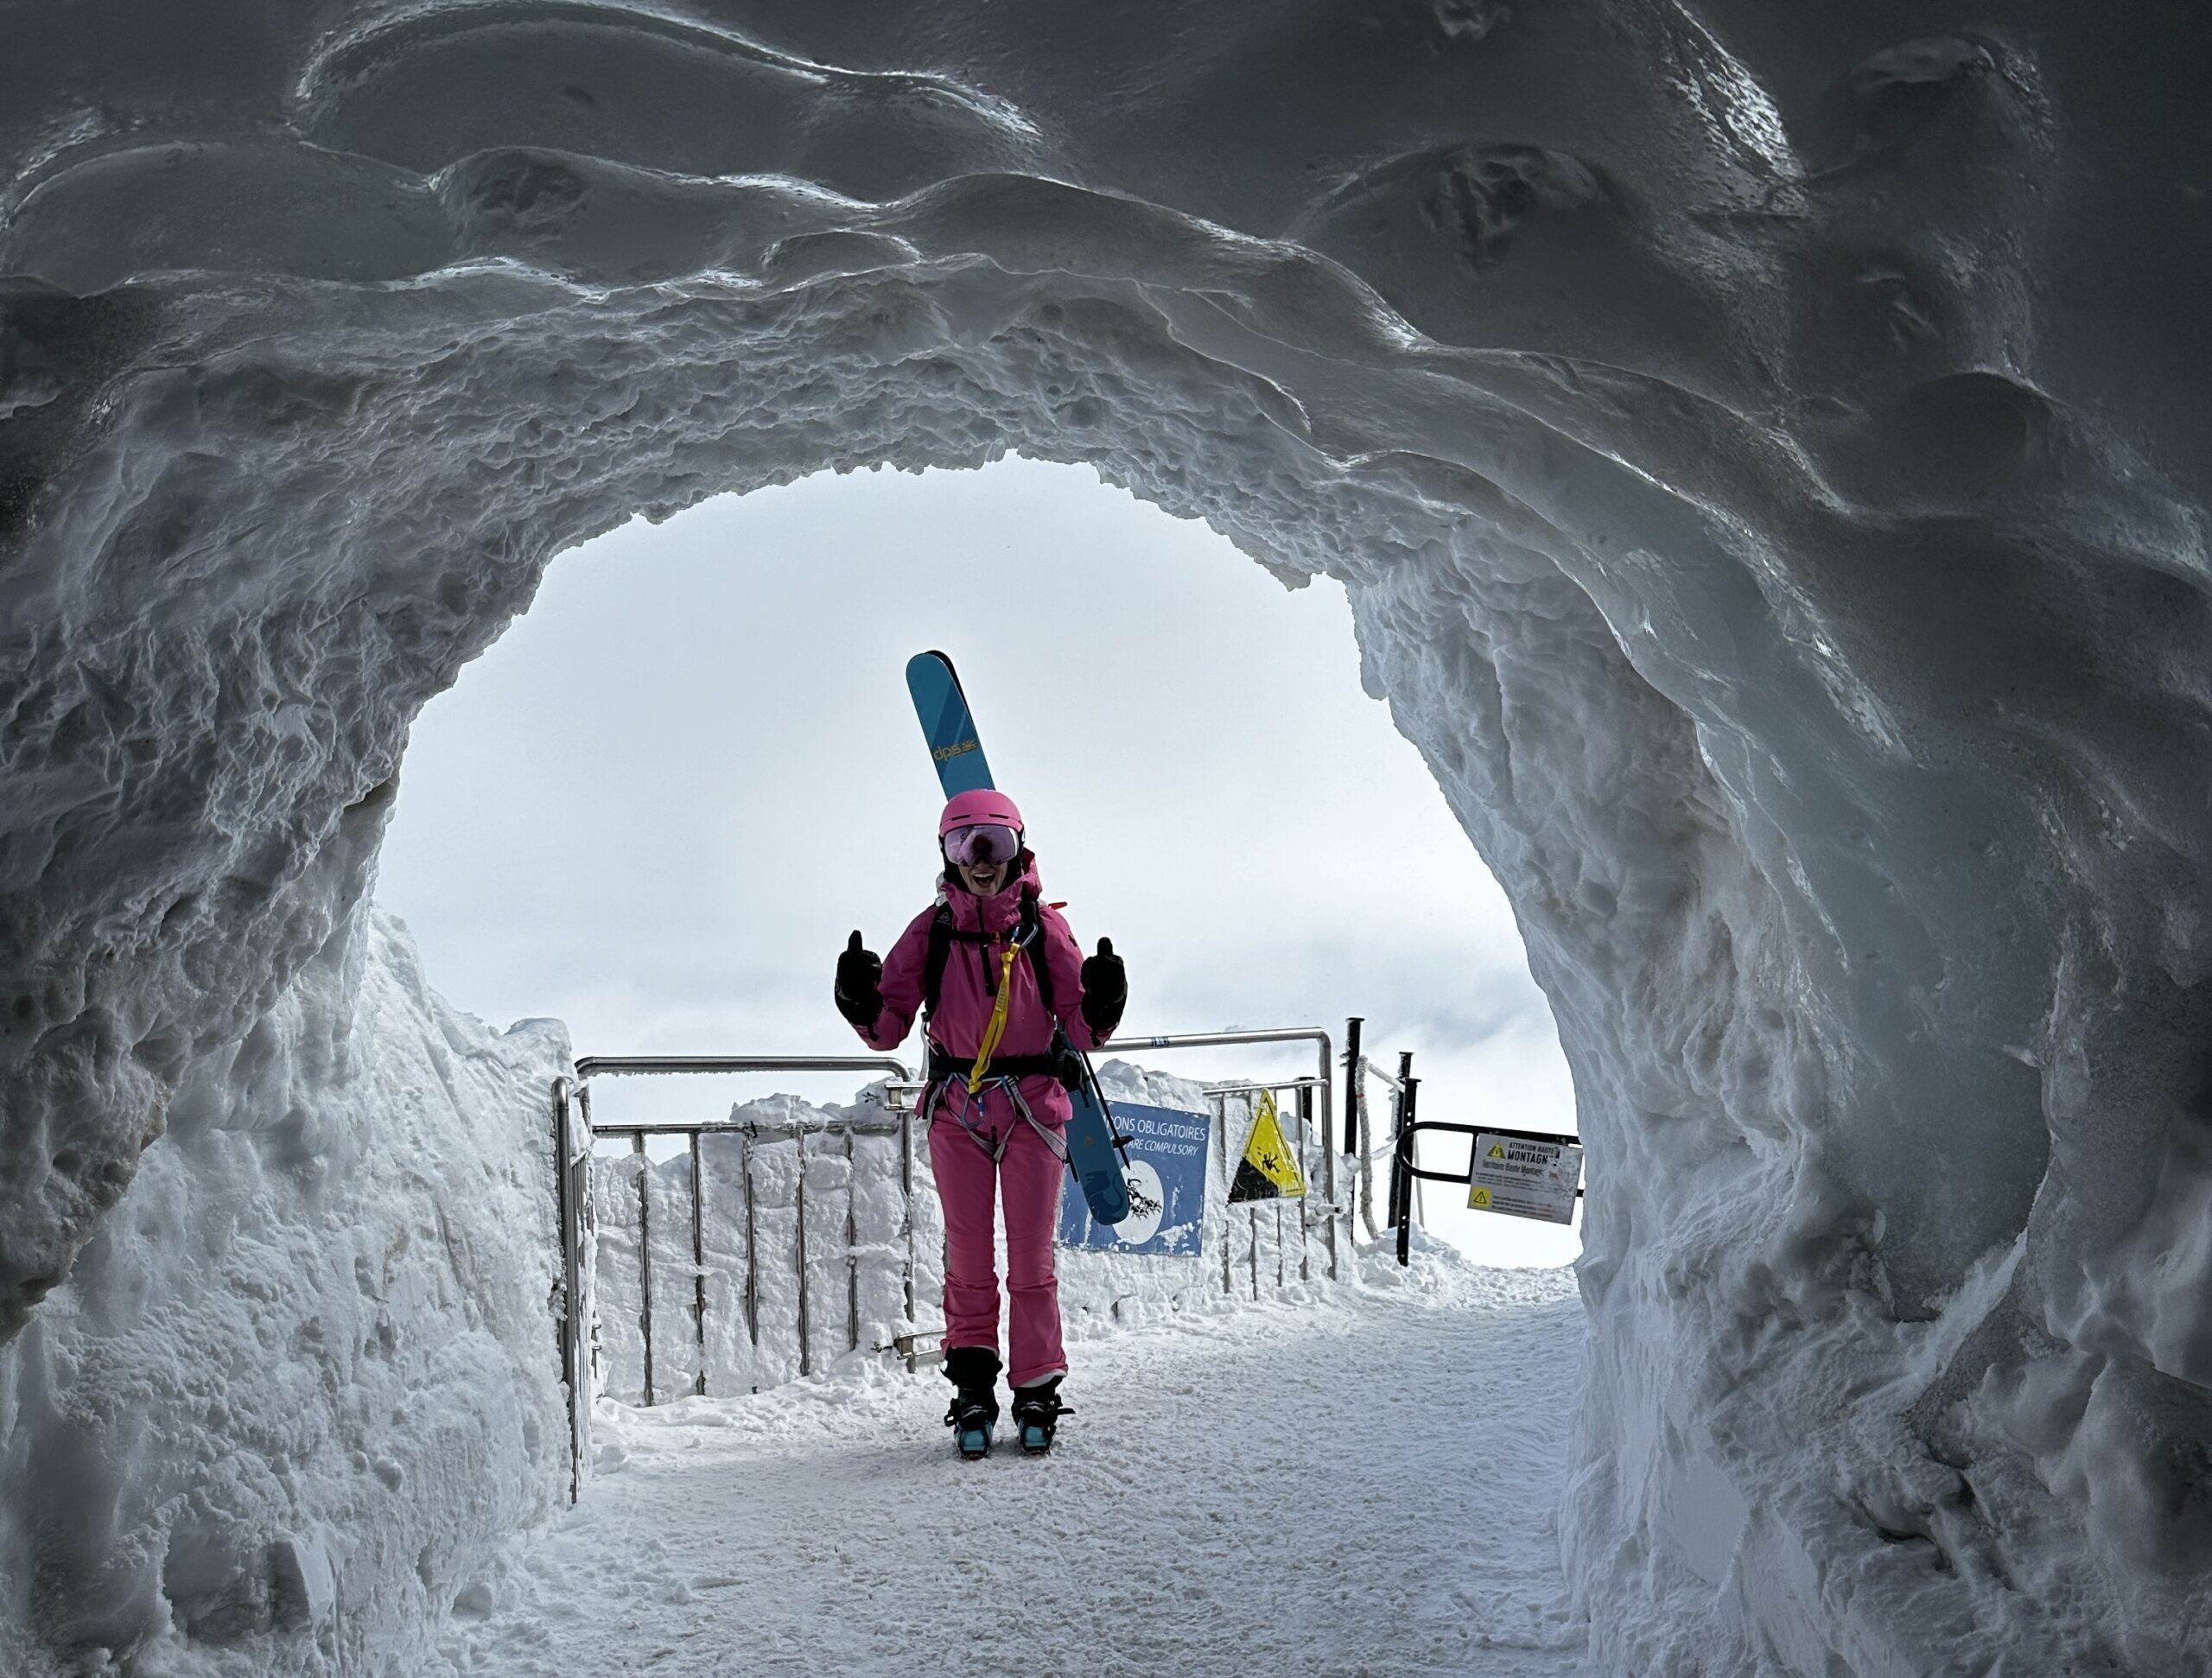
(860, 984)
(1105, 989)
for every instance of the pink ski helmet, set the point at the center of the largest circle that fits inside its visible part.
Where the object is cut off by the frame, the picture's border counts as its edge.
(981, 807)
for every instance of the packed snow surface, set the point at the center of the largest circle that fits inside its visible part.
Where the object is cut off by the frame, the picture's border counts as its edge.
(1339, 1481)
(1764, 447)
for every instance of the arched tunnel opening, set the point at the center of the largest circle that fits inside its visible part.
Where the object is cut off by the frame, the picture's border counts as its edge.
(1761, 450)
(719, 701)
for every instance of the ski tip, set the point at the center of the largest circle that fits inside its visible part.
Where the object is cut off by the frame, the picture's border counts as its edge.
(922, 661)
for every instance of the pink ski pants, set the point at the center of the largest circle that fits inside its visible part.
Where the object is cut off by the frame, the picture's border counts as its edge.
(1027, 1175)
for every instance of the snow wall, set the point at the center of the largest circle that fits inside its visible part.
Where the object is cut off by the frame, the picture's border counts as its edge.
(856, 1248)
(300, 1385)
(1764, 444)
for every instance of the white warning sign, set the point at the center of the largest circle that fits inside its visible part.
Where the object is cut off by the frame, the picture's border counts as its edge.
(1523, 1179)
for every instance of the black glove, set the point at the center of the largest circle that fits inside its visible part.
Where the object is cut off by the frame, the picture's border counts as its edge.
(1105, 989)
(859, 985)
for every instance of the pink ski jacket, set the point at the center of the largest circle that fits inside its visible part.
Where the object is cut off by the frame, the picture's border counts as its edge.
(969, 986)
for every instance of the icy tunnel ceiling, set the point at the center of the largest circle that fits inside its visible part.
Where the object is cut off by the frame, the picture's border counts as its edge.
(1764, 443)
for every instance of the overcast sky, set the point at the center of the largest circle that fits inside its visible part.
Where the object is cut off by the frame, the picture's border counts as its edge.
(656, 807)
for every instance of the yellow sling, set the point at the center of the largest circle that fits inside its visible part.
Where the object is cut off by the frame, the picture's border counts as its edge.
(996, 1028)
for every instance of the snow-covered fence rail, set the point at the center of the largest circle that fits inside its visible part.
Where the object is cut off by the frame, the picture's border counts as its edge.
(579, 1203)
(1312, 1093)
(1302, 1090)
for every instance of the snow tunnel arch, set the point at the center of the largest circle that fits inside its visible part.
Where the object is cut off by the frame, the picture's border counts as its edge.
(1740, 510)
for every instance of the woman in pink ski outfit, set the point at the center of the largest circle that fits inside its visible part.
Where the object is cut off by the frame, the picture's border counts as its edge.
(997, 1105)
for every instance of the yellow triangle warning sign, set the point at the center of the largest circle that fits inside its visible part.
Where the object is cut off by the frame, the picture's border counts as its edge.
(1498, 1150)
(1269, 1170)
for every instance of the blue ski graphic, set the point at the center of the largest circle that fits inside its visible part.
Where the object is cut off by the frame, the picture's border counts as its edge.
(1091, 1154)
(960, 767)
(946, 724)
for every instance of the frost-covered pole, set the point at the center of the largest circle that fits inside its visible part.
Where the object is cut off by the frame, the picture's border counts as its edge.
(645, 1261)
(699, 1264)
(1401, 1176)
(1351, 1084)
(1401, 1116)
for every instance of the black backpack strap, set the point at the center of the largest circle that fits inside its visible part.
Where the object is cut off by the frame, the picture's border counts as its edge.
(933, 960)
(1032, 934)
(1029, 928)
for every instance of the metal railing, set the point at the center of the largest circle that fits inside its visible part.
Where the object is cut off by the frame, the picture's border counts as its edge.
(575, 1134)
(1218, 1095)
(1359, 1139)
(1312, 1093)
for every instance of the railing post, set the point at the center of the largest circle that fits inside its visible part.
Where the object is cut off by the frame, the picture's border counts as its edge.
(852, 1239)
(1305, 1141)
(907, 1200)
(699, 1264)
(751, 1261)
(1398, 1117)
(587, 1211)
(1221, 1129)
(798, 1200)
(1401, 1176)
(572, 1326)
(645, 1262)
(1351, 1083)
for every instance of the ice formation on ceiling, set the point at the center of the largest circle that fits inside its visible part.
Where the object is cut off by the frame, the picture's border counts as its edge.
(1764, 446)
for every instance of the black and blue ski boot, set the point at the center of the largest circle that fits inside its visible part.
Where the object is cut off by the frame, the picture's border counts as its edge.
(1037, 1413)
(974, 1370)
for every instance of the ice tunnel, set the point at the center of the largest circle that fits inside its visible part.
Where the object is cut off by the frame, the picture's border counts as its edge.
(1764, 446)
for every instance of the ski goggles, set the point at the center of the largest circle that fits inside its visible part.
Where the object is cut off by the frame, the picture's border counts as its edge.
(972, 847)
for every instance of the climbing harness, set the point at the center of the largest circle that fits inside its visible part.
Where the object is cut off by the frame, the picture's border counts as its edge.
(940, 1097)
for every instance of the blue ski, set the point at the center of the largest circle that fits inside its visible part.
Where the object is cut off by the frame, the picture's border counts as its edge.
(946, 725)
(1093, 1152)
(1093, 1155)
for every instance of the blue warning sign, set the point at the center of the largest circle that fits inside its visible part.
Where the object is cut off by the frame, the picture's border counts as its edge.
(1166, 1175)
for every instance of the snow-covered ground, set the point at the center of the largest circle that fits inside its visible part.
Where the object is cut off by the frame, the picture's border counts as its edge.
(1353, 1480)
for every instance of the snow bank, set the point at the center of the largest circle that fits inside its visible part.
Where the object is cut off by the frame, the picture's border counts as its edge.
(298, 1386)
(1765, 452)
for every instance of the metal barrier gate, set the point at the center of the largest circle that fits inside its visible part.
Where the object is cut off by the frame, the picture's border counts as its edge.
(1404, 1171)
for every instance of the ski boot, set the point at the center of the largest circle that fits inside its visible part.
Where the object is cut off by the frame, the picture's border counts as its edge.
(973, 1371)
(1037, 1413)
